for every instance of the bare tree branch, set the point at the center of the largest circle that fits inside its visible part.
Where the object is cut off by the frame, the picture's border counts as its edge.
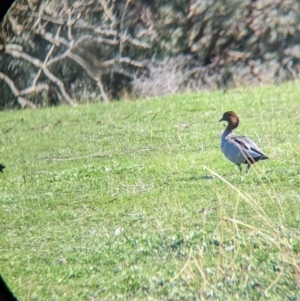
(89, 33)
(81, 24)
(22, 101)
(10, 83)
(40, 16)
(34, 89)
(37, 63)
(47, 57)
(54, 40)
(123, 60)
(80, 61)
(98, 40)
(102, 90)
(108, 12)
(58, 58)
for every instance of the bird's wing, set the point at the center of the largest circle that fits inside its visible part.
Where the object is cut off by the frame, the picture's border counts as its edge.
(248, 146)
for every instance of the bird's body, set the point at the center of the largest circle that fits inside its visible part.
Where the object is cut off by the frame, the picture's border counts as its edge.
(238, 149)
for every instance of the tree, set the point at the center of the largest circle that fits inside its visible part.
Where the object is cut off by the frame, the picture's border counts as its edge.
(50, 47)
(57, 51)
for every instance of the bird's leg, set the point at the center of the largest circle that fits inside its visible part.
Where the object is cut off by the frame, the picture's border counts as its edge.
(240, 167)
(248, 166)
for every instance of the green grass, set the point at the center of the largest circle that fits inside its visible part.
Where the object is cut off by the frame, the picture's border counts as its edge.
(135, 201)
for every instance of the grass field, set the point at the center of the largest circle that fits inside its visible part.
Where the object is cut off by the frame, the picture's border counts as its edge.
(135, 201)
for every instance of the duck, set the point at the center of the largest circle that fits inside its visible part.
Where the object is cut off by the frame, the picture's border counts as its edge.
(239, 149)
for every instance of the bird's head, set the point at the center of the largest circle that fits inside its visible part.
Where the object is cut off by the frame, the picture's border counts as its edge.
(232, 119)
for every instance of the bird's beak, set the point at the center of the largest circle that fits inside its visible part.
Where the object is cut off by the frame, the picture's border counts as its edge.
(221, 119)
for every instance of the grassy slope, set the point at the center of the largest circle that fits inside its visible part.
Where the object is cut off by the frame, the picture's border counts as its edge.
(115, 201)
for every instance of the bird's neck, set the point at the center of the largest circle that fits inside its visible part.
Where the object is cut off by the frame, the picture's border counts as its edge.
(228, 131)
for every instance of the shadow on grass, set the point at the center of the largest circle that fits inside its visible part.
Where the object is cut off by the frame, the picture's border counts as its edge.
(197, 178)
